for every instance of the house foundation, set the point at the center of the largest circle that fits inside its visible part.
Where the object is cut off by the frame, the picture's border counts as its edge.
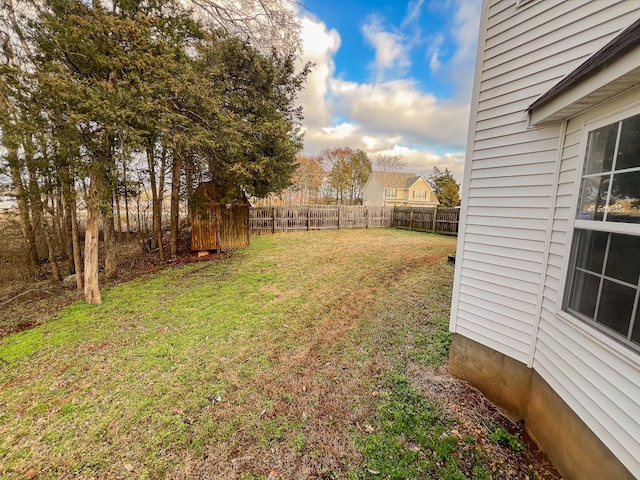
(523, 395)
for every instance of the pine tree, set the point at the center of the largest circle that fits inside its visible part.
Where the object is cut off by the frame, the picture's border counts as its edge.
(445, 187)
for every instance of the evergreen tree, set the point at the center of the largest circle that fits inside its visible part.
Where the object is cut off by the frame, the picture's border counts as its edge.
(445, 187)
(140, 77)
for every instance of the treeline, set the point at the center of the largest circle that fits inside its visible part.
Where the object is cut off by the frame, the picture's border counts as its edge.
(337, 176)
(100, 101)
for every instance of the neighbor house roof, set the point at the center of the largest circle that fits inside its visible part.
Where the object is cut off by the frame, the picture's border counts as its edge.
(610, 75)
(396, 179)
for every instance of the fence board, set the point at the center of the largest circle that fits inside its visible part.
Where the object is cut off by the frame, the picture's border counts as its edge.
(317, 217)
(264, 220)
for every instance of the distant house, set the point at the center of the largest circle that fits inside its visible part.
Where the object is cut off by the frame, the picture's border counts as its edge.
(546, 297)
(398, 189)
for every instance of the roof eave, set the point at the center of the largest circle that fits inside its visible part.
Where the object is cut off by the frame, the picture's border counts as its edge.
(612, 71)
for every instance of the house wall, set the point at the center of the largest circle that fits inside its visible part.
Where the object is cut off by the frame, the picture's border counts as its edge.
(519, 190)
(372, 193)
(430, 198)
(596, 377)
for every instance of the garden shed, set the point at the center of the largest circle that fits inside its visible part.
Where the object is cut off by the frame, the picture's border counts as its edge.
(219, 218)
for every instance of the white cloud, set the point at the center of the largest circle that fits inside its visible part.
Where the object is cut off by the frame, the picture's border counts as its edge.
(393, 116)
(344, 130)
(463, 32)
(392, 50)
(320, 45)
(414, 9)
(434, 62)
(421, 162)
(399, 108)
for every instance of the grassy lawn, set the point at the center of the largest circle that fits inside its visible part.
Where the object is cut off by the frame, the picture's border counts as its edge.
(295, 358)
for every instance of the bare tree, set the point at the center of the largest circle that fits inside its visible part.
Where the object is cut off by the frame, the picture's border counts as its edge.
(266, 24)
(384, 162)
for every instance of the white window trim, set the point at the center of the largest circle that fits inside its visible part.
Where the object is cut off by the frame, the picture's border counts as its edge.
(598, 334)
(587, 127)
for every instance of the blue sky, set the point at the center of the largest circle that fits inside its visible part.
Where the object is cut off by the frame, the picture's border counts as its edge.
(390, 78)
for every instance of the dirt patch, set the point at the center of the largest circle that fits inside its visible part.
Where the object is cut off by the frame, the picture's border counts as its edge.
(476, 417)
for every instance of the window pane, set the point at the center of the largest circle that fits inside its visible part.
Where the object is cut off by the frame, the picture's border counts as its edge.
(584, 293)
(635, 335)
(623, 261)
(602, 143)
(616, 305)
(624, 205)
(593, 198)
(590, 248)
(629, 149)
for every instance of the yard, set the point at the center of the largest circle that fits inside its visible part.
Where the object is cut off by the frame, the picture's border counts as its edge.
(307, 355)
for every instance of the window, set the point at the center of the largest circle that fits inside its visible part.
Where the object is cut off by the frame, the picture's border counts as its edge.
(420, 194)
(391, 193)
(603, 287)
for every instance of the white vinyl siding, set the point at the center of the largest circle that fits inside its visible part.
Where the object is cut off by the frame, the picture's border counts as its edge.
(598, 391)
(514, 166)
(519, 206)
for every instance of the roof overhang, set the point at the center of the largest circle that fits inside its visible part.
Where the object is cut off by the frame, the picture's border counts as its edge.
(612, 71)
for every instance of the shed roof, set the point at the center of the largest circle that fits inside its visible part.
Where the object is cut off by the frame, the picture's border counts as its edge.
(396, 179)
(617, 75)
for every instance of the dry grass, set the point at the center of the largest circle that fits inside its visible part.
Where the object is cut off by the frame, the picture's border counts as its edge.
(270, 363)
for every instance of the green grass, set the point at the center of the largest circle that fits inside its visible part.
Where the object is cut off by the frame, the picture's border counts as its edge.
(264, 360)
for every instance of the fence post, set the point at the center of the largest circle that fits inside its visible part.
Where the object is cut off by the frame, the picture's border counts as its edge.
(273, 223)
(411, 220)
(435, 214)
(338, 216)
(309, 218)
(366, 218)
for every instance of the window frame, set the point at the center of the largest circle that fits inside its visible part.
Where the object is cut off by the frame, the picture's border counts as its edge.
(422, 197)
(387, 193)
(591, 327)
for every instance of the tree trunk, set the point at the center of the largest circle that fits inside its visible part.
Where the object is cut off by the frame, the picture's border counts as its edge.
(91, 286)
(118, 217)
(157, 190)
(62, 223)
(175, 203)
(106, 210)
(109, 233)
(35, 197)
(75, 240)
(126, 200)
(69, 200)
(50, 250)
(23, 210)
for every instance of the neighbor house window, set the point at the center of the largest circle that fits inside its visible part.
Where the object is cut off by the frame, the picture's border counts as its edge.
(419, 194)
(603, 287)
(391, 193)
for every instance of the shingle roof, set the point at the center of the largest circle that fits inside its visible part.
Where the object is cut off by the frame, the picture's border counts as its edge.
(395, 179)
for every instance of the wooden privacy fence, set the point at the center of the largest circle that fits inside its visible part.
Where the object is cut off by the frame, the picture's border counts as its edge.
(332, 217)
(427, 219)
(317, 217)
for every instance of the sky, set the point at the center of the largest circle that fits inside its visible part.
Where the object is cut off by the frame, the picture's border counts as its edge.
(390, 77)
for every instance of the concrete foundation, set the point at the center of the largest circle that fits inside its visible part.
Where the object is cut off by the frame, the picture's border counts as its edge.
(522, 394)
